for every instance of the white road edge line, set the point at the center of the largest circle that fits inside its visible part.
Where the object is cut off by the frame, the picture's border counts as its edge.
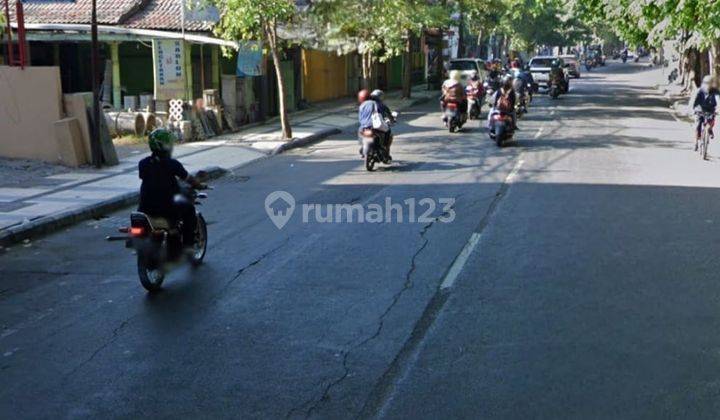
(459, 263)
(457, 266)
(511, 176)
(539, 133)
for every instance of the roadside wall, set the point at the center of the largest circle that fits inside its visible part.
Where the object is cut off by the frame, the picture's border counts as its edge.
(324, 75)
(30, 104)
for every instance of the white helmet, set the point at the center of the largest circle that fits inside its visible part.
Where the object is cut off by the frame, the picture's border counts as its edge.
(456, 75)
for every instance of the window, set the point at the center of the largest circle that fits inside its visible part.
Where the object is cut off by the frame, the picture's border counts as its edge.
(463, 65)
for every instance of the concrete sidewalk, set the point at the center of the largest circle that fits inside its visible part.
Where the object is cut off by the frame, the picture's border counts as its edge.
(43, 204)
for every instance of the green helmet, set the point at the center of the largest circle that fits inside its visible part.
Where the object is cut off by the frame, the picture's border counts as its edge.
(161, 141)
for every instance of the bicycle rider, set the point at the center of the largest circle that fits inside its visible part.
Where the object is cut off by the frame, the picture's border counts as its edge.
(705, 102)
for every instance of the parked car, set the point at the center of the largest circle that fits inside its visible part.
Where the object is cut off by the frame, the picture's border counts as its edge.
(571, 65)
(466, 65)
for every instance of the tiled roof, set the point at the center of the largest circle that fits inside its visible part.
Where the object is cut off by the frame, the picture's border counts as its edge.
(166, 14)
(138, 14)
(109, 12)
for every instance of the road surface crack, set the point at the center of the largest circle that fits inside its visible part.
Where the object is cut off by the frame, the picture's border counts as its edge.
(248, 266)
(115, 335)
(314, 403)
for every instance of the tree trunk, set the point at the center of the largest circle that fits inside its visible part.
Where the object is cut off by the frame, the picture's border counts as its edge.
(715, 54)
(704, 64)
(480, 44)
(271, 33)
(366, 58)
(407, 68)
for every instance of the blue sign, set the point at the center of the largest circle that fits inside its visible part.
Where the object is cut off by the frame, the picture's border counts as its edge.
(249, 60)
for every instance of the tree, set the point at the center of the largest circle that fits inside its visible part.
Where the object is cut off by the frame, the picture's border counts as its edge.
(400, 21)
(377, 29)
(259, 20)
(351, 25)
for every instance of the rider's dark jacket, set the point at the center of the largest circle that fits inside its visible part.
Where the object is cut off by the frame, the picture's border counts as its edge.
(707, 101)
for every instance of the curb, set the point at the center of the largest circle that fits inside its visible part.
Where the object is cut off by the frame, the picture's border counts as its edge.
(327, 132)
(306, 141)
(55, 222)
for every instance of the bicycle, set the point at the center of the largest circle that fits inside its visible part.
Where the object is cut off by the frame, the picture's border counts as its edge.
(704, 143)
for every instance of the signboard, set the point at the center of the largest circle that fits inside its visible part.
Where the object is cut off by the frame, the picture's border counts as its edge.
(249, 59)
(168, 63)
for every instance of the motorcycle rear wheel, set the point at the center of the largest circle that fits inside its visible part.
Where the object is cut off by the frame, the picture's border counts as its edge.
(500, 135)
(369, 162)
(150, 278)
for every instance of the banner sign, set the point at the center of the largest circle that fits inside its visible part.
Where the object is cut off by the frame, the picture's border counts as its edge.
(169, 61)
(249, 59)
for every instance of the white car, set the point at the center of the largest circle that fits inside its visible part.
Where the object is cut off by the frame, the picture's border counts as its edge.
(467, 65)
(540, 69)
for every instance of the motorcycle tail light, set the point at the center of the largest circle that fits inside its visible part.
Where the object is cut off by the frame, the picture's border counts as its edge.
(137, 231)
(498, 117)
(452, 106)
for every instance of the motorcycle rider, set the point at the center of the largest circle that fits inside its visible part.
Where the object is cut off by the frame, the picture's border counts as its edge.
(159, 189)
(705, 100)
(377, 96)
(557, 74)
(453, 91)
(523, 80)
(365, 112)
(474, 81)
(475, 86)
(504, 101)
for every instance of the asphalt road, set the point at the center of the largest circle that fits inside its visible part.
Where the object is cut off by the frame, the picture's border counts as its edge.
(576, 280)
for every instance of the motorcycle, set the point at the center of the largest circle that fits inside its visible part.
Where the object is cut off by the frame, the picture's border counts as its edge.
(158, 242)
(490, 86)
(454, 119)
(501, 128)
(624, 57)
(554, 89)
(373, 148)
(521, 90)
(475, 98)
(588, 64)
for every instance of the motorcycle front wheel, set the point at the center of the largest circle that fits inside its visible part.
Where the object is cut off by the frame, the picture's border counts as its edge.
(200, 247)
(150, 278)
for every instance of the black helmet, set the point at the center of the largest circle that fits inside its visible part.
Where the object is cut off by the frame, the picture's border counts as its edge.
(507, 80)
(377, 95)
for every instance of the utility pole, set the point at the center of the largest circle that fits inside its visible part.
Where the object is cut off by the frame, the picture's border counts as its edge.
(95, 68)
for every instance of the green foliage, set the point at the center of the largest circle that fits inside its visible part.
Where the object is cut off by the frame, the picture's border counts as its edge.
(253, 19)
(380, 27)
(650, 22)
